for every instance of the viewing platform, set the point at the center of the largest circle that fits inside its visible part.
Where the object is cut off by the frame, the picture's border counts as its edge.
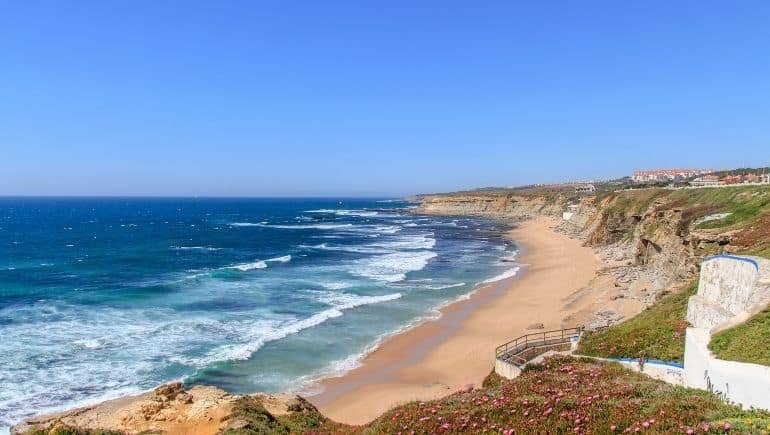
(511, 357)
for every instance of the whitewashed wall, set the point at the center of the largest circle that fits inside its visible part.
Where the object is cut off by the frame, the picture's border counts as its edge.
(746, 384)
(731, 289)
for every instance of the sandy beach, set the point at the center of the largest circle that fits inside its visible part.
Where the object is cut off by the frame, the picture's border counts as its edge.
(438, 357)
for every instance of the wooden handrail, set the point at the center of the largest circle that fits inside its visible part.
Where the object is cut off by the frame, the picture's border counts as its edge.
(519, 344)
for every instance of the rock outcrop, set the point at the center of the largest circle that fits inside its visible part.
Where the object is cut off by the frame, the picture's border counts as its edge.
(168, 409)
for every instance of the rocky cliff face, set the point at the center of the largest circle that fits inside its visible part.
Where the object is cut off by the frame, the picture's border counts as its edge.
(503, 206)
(646, 238)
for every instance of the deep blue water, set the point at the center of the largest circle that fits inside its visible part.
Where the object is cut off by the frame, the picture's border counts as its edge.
(103, 297)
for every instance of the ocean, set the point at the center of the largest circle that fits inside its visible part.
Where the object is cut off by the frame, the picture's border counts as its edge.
(102, 297)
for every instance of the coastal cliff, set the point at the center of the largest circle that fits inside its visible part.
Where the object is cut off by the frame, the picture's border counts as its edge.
(650, 241)
(503, 206)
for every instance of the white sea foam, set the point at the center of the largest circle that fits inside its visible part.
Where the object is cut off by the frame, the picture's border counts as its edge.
(318, 246)
(246, 224)
(264, 332)
(249, 266)
(260, 264)
(292, 227)
(510, 257)
(337, 285)
(361, 249)
(345, 301)
(392, 267)
(415, 241)
(507, 274)
(341, 212)
(195, 248)
(284, 259)
(442, 287)
(372, 230)
(90, 344)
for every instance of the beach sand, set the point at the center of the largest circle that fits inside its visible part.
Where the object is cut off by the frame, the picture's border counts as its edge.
(441, 356)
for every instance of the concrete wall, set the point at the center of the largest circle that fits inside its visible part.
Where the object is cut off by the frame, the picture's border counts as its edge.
(506, 370)
(731, 289)
(725, 290)
(673, 374)
(746, 384)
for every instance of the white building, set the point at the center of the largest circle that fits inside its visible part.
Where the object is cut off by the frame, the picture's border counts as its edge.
(706, 180)
(585, 188)
(666, 175)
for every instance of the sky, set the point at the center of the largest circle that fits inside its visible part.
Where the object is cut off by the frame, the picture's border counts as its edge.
(373, 98)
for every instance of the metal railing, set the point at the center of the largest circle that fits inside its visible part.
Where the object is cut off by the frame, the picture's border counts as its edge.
(510, 351)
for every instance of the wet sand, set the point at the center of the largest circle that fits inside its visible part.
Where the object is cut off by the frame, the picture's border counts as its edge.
(441, 356)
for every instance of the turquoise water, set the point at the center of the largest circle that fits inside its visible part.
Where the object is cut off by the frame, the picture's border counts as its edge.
(105, 297)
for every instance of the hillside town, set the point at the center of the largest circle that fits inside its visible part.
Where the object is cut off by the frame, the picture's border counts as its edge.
(700, 177)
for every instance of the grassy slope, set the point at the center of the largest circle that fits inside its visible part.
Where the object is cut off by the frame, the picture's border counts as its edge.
(749, 342)
(559, 396)
(656, 333)
(562, 395)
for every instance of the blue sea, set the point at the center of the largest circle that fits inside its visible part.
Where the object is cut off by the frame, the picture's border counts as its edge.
(104, 297)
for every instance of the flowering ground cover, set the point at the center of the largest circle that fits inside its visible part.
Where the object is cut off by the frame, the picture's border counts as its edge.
(568, 395)
(562, 395)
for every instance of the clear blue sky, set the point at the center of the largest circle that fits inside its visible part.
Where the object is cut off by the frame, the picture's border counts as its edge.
(373, 97)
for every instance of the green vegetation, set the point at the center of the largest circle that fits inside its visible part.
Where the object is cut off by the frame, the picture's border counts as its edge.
(748, 342)
(741, 171)
(655, 333)
(742, 202)
(249, 417)
(567, 395)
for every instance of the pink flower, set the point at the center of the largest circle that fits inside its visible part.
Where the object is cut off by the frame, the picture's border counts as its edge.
(445, 426)
(613, 428)
(690, 431)
(727, 426)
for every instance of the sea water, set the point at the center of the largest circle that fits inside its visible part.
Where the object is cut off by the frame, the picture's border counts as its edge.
(102, 297)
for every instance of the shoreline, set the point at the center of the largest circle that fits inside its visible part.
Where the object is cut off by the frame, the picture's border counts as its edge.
(426, 361)
(437, 357)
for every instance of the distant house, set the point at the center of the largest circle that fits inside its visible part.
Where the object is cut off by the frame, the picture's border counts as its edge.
(706, 180)
(765, 178)
(732, 179)
(752, 178)
(585, 188)
(666, 175)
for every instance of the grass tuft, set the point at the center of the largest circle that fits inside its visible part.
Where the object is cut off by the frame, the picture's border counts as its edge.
(655, 333)
(748, 342)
